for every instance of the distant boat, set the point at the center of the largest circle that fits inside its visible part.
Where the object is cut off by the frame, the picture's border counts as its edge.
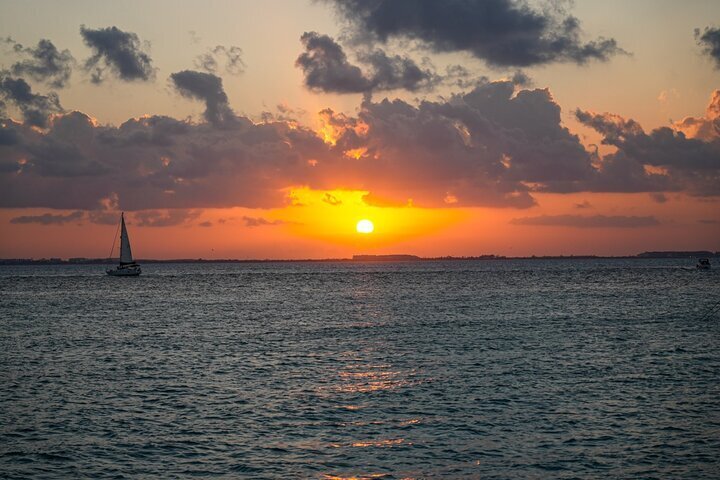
(127, 267)
(703, 264)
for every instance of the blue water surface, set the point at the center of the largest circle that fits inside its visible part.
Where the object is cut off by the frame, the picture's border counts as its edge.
(458, 369)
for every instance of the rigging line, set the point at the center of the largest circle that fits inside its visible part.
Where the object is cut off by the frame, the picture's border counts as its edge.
(114, 240)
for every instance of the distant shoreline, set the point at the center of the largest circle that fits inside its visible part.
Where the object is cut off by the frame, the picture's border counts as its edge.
(358, 259)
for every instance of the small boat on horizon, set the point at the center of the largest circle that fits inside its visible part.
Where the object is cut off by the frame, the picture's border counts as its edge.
(127, 266)
(703, 264)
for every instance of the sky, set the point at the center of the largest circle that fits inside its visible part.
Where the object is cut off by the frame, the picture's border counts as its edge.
(268, 130)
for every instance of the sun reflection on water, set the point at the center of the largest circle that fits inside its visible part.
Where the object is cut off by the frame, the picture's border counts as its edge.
(369, 476)
(376, 379)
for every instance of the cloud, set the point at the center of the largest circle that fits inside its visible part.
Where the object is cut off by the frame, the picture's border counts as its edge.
(167, 218)
(208, 88)
(34, 107)
(494, 146)
(8, 136)
(665, 159)
(595, 221)
(45, 63)
(583, 205)
(373, 200)
(490, 147)
(667, 95)
(503, 33)
(194, 37)
(326, 68)
(709, 40)
(230, 56)
(260, 222)
(394, 72)
(48, 218)
(155, 163)
(705, 128)
(708, 221)
(106, 212)
(331, 200)
(659, 197)
(205, 224)
(117, 51)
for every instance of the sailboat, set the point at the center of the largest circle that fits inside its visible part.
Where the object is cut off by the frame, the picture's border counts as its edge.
(127, 267)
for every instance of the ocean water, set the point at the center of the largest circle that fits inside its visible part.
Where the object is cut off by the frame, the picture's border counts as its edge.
(466, 369)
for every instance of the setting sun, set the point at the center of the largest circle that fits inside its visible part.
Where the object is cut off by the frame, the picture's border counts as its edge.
(365, 226)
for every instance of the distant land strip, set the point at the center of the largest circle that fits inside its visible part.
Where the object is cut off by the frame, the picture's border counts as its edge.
(357, 258)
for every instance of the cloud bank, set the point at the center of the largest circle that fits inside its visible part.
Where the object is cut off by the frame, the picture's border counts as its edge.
(496, 145)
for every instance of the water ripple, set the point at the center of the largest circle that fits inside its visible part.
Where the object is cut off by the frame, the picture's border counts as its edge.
(492, 369)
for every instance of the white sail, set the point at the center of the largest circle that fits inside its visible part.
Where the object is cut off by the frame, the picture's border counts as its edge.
(127, 267)
(125, 252)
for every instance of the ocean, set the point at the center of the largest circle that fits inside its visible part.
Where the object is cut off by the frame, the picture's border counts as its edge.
(602, 368)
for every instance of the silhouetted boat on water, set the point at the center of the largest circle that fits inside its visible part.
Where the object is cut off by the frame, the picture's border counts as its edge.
(703, 264)
(127, 267)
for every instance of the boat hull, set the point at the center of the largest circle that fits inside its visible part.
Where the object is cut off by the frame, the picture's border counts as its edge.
(703, 264)
(124, 272)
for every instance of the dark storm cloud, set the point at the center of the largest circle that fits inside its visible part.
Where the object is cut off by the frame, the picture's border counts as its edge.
(709, 40)
(34, 107)
(595, 221)
(49, 219)
(230, 57)
(326, 68)
(117, 51)
(503, 33)
(44, 63)
(208, 88)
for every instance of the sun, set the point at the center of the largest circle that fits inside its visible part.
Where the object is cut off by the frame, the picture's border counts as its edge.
(365, 226)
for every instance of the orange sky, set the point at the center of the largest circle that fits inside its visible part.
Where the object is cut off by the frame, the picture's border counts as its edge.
(320, 230)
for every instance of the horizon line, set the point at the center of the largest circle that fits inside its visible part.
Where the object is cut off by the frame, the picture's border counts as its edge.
(359, 258)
